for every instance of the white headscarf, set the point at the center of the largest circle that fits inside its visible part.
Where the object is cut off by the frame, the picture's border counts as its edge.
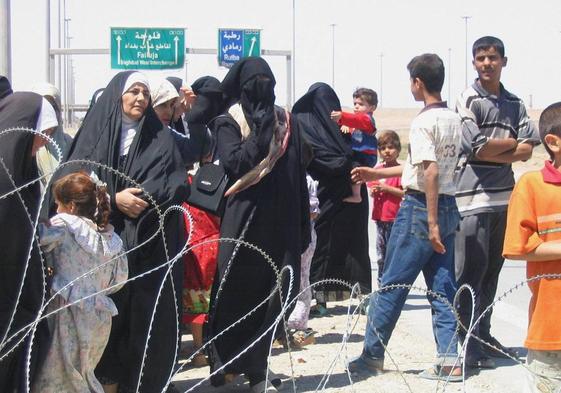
(47, 117)
(163, 92)
(135, 77)
(47, 89)
(129, 127)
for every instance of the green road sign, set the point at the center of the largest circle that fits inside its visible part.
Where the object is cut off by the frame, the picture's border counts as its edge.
(234, 44)
(145, 48)
(251, 43)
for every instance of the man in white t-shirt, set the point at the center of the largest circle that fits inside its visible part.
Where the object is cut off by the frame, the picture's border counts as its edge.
(422, 237)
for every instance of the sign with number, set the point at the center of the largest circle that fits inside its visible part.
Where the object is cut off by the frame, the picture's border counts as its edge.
(235, 44)
(147, 48)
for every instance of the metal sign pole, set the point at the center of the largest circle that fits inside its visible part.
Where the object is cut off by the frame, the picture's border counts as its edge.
(194, 51)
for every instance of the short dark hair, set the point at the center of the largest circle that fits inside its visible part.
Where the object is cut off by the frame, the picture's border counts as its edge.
(429, 68)
(368, 95)
(488, 42)
(389, 137)
(550, 123)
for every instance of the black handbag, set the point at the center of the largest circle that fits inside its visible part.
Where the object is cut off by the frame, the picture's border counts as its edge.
(209, 185)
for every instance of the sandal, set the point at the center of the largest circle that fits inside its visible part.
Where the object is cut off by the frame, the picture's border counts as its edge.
(199, 360)
(300, 338)
(436, 373)
(319, 310)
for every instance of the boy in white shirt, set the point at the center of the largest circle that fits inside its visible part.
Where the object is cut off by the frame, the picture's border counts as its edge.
(422, 238)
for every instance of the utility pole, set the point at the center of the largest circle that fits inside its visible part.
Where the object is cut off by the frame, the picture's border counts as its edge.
(333, 55)
(48, 39)
(466, 19)
(5, 40)
(449, 74)
(381, 78)
(59, 62)
(293, 52)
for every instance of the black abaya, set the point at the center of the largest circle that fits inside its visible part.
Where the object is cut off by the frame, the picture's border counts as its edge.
(342, 228)
(155, 162)
(273, 214)
(18, 167)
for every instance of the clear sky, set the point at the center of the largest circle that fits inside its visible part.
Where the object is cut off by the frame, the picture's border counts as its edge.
(400, 29)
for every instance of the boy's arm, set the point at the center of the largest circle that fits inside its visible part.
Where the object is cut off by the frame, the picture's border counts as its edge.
(430, 174)
(363, 174)
(527, 137)
(546, 251)
(395, 191)
(521, 151)
(522, 241)
(361, 121)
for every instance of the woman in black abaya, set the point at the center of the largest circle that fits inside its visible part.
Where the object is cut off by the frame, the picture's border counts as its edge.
(270, 214)
(17, 214)
(123, 132)
(342, 228)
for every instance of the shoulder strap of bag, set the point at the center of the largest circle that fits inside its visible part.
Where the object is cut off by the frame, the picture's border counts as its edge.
(212, 133)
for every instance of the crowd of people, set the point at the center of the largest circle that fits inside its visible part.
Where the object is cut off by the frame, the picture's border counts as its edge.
(105, 271)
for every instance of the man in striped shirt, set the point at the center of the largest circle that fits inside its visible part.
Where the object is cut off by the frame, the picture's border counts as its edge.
(496, 132)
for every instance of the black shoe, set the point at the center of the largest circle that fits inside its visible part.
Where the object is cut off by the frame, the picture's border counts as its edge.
(172, 389)
(481, 362)
(492, 352)
(365, 365)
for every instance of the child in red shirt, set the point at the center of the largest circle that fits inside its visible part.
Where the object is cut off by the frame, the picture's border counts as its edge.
(386, 195)
(533, 234)
(361, 127)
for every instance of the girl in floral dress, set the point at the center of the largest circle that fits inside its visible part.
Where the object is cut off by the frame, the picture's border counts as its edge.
(80, 242)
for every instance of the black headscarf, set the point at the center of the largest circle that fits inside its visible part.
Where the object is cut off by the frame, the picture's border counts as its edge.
(251, 82)
(177, 83)
(332, 155)
(20, 109)
(5, 87)
(153, 160)
(347, 258)
(209, 102)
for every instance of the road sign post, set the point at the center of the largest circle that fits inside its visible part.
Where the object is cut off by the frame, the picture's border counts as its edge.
(235, 44)
(146, 48)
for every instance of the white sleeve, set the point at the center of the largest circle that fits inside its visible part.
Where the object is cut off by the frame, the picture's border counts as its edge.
(47, 117)
(422, 144)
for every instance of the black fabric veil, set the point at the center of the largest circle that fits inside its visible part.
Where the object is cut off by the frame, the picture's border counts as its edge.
(20, 109)
(5, 87)
(331, 164)
(270, 214)
(342, 228)
(251, 83)
(209, 103)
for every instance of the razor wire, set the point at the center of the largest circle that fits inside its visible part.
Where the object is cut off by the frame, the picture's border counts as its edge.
(285, 304)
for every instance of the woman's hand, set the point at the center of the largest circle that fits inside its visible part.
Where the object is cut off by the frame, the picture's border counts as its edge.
(129, 203)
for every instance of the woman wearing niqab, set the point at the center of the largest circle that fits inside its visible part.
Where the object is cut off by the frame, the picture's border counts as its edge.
(342, 228)
(18, 247)
(270, 214)
(123, 132)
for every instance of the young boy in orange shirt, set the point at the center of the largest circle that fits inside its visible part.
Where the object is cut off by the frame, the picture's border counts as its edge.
(533, 233)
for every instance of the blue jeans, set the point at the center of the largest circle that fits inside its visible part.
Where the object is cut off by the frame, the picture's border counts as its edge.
(410, 252)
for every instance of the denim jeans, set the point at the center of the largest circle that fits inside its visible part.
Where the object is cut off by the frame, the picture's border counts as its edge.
(409, 253)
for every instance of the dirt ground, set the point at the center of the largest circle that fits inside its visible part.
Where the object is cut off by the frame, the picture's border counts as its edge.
(412, 345)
